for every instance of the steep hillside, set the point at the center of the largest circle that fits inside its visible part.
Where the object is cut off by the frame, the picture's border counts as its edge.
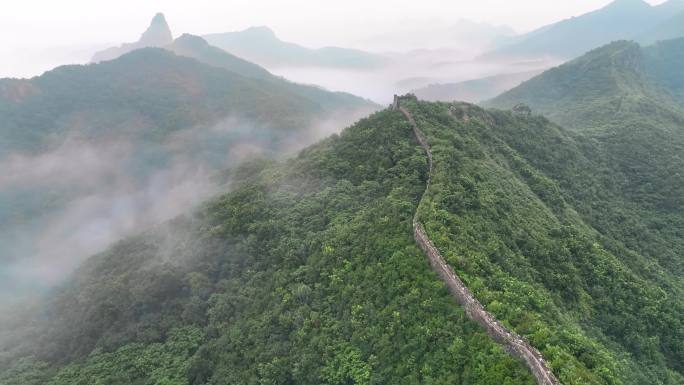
(621, 19)
(625, 100)
(613, 83)
(86, 150)
(198, 49)
(149, 92)
(562, 238)
(663, 64)
(261, 45)
(308, 273)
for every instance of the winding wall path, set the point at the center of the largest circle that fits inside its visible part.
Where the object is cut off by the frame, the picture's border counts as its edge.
(513, 343)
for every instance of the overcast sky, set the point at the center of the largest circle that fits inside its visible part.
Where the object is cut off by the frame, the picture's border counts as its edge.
(36, 35)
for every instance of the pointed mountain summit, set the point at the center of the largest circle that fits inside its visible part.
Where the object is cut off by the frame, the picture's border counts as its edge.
(158, 34)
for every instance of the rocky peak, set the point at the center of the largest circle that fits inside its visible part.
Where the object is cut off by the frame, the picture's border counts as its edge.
(158, 33)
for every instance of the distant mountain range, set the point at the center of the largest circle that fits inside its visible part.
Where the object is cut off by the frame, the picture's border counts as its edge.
(261, 45)
(621, 19)
(475, 90)
(258, 45)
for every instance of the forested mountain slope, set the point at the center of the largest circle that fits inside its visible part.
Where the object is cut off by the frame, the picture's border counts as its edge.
(150, 92)
(616, 82)
(198, 49)
(628, 101)
(663, 64)
(307, 272)
(91, 153)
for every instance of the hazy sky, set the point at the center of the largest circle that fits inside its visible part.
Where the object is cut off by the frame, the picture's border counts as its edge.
(36, 35)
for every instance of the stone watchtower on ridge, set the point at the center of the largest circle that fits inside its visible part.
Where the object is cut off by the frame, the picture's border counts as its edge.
(397, 99)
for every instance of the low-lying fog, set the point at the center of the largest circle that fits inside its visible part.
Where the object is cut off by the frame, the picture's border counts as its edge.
(409, 71)
(63, 205)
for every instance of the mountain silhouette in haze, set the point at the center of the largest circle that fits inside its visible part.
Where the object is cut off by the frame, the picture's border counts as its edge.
(474, 90)
(670, 29)
(158, 34)
(262, 46)
(619, 20)
(197, 48)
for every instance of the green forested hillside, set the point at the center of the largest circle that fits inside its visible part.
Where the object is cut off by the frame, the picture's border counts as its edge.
(150, 93)
(102, 147)
(663, 64)
(197, 48)
(618, 82)
(307, 272)
(536, 221)
(625, 100)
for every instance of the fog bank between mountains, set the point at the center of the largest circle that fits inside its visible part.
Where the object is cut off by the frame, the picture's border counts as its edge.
(66, 204)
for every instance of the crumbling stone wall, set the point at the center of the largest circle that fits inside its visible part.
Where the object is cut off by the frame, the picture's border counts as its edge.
(513, 342)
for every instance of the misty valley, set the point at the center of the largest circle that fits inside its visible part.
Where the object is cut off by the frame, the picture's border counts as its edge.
(439, 202)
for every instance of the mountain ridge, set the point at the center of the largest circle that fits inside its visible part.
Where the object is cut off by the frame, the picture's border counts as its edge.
(615, 76)
(197, 48)
(475, 90)
(323, 243)
(261, 45)
(619, 20)
(473, 308)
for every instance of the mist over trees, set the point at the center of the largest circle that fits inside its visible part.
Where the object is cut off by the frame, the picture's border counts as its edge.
(217, 209)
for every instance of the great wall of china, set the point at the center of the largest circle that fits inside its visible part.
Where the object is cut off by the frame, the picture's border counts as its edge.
(511, 341)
